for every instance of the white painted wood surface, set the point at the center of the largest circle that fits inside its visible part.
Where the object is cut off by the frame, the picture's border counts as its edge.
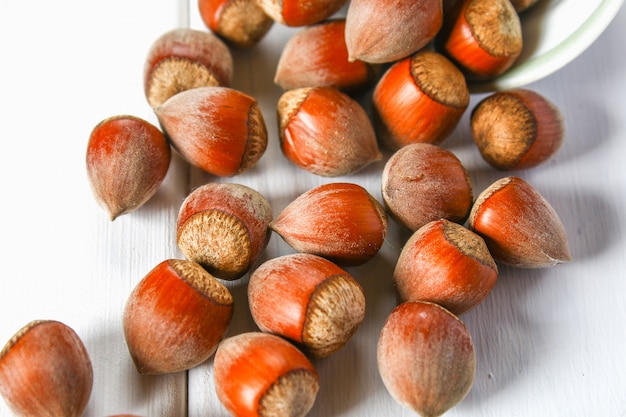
(549, 342)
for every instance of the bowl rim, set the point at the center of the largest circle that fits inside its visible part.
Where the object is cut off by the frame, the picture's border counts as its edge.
(537, 67)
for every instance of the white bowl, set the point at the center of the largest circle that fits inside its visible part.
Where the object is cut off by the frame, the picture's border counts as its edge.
(554, 33)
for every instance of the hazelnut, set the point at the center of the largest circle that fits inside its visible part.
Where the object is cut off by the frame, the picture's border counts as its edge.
(175, 317)
(423, 182)
(445, 263)
(224, 227)
(300, 12)
(483, 37)
(217, 129)
(517, 129)
(307, 299)
(260, 374)
(519, 226)
(339, 221)
(325, 132)
(381, 31)
(127, 160)
(240, 23)
(426, 358)
(182, 59)
(419, 99)
(317, 56)
(45, 371)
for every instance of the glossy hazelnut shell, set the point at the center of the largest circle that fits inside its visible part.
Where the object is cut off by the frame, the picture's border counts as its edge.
(519, 225)
(46, 371)
(447, 264)
(175, 317)
(307, 299)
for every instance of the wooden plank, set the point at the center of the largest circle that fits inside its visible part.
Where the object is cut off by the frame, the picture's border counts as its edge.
(72, 64)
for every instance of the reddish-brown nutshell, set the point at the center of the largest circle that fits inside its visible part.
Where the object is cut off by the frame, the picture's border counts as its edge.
(300, 12)
(342, 222)
(519, 225)
(517, 129)
(262, 375)
(423, 182)
(381, 31)
(224, 227)
(482, 37)
(445, 263)
(324, 131)
(127, 160)
(308, 300)
(317, 56)
(419, 99)
(45, 371)
(240, 23)
(182, 59)
(175, 317)
(217, 129)
(426, 358)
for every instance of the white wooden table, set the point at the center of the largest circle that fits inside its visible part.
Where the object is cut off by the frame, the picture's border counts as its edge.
(549, 342)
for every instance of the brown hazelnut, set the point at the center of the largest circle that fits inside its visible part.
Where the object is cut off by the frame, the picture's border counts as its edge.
(127, 160)
(380, 31)
(185, 58)
(317, 56)
(175, 317)
(445, 263)
(423, 182)
(518, 224)
(260, 375)
(325, 132)
(224, 227)
(45, 371)
(240, 23)
(483, 37)
(307, 299)
(419, 99)
(426, 358)
(217, 129)
(339, 221)
(517, 129)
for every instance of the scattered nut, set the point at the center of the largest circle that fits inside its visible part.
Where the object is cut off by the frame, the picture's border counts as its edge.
(175, 317)
(325, 132)
(182, 59)
(445, 263)
(45, 371)
(241, 23)
(300, 12)
(339, 221)
(517, 129)
(426, 358)
(217, 129)
(224, 227)
(520, 227)
(317, 56)
(260, 375)
(483, 37)
(381, 31)
(423, 182)
(127, 160)
(307, 299)
(419, 99)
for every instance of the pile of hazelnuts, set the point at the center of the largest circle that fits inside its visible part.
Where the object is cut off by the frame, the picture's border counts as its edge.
(416, 58)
